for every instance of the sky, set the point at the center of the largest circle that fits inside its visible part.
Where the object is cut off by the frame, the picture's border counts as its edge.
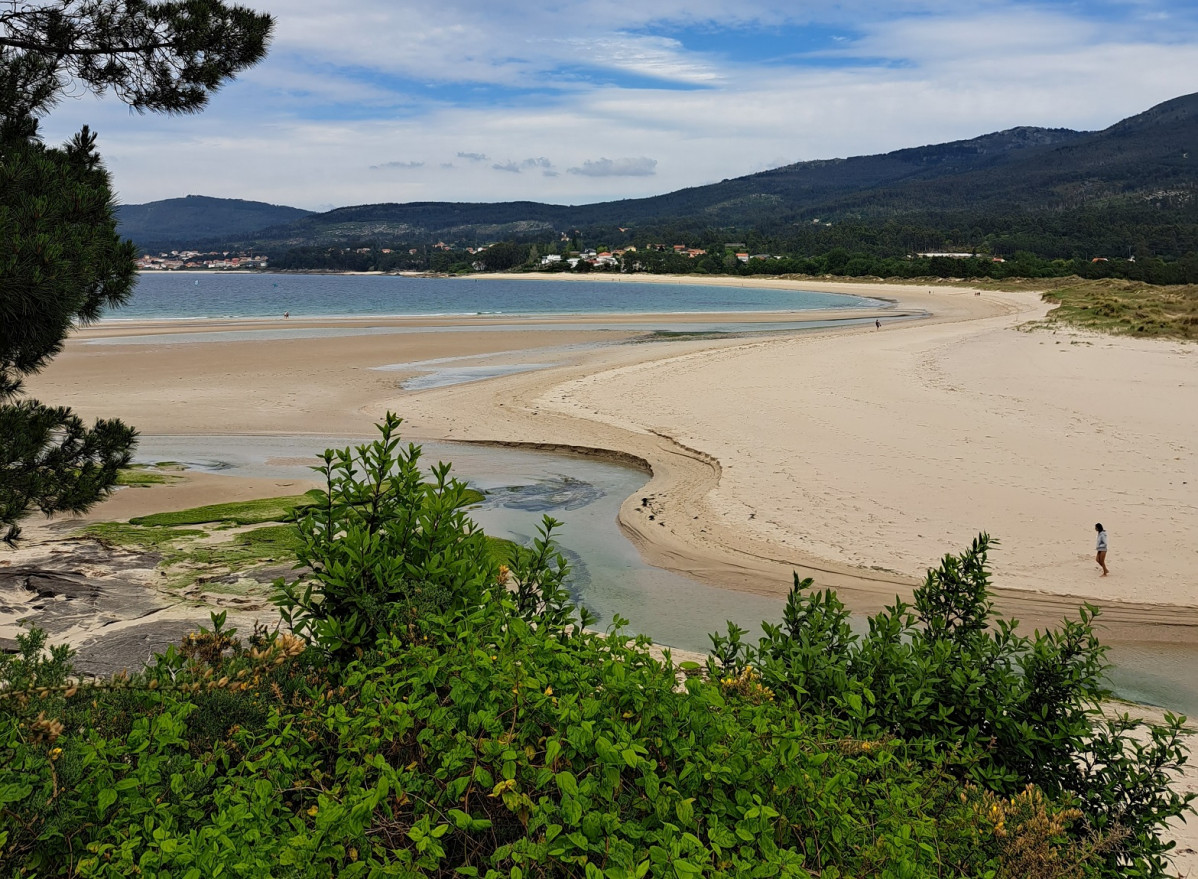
(367, 101)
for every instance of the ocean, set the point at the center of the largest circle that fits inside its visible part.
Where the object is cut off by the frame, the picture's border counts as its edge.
(173, 295)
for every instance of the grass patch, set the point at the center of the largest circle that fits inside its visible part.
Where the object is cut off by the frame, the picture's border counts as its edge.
(124, 534)
(681, 335)
(271, 540)
(186, 560)
(233, 555)
(1127, 308)
(182, 554)
(500, 549)
(256, 512)
(141, 475)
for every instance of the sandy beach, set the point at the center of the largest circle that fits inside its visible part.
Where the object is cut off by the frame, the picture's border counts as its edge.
(860, 457)
(857, 456)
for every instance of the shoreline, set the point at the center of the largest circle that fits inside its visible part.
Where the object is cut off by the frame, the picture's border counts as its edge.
(865, 310)
(700, 542)
(585, 401)
(492, 318)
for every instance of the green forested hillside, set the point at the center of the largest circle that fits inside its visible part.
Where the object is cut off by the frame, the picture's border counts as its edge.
(182, 222)
(1131, 189)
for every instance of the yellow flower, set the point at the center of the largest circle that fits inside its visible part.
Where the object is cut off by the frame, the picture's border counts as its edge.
(312, 812)
(549, 691)
(55, 753)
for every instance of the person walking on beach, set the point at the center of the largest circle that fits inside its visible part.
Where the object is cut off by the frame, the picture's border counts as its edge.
(878, 323)
(1101, 557)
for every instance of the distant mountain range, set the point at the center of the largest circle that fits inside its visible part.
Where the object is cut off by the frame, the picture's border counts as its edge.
(1148, 162)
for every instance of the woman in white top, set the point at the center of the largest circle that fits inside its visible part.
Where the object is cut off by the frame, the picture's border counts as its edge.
(1101, 557)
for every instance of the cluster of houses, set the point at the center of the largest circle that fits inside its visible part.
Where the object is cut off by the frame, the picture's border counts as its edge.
(595, 258)
(958, 255)
(612, 257)
(194, 259)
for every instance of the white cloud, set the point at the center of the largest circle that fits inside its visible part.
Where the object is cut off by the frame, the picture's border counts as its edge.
(630, 167)
(349, 84)
(400, 166)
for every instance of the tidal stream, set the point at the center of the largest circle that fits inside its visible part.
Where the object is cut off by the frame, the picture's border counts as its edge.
(608, 575)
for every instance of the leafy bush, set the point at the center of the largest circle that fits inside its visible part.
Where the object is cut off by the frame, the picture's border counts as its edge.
(385, 547)
(1004, 710)
(497, 747)
(490, 734)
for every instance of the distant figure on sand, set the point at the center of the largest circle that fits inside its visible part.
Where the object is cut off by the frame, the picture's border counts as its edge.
(286, 314)
(1101, 557)
(877, 323)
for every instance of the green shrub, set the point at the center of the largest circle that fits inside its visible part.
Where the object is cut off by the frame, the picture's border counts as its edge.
(490, 734)
(1005, 710)
(384, 546)
(496, 747)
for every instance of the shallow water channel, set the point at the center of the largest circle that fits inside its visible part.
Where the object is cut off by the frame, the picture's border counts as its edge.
(608, 575)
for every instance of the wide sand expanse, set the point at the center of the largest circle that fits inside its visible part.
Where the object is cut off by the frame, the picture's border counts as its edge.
(857, 456)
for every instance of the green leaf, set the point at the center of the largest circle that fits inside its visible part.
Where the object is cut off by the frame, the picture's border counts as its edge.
(106, 799)
(571, 811)
(685, 811)
(566, 783)
(14, 793)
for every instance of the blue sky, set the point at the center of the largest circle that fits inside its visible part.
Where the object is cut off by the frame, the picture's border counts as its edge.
(367, 101)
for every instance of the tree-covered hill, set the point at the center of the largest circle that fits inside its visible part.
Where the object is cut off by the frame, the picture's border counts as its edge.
(1139, 171)
(177, 222)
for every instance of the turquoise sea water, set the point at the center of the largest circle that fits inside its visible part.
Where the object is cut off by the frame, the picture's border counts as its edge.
(164, 295)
